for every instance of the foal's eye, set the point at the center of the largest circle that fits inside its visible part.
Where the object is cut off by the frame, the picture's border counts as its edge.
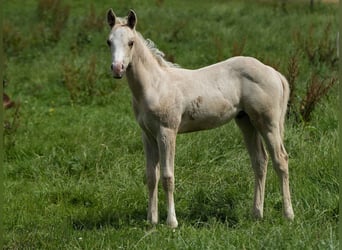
(130, 44)
(108, 42)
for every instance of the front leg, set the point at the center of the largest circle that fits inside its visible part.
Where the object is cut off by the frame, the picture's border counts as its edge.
(167, 145)
(152, 176)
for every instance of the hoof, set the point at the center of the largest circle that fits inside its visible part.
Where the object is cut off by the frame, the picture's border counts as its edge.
(289, 214)
(258, 214)
(172, 223)
(152, 220)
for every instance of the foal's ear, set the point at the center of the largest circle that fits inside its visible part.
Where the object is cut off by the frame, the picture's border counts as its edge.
(131, 19)
(111, 18)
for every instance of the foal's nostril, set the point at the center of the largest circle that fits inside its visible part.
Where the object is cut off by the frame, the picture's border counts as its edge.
(111, 66)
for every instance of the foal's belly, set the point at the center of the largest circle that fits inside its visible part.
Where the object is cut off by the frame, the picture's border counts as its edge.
(204, 124)
(203, 114)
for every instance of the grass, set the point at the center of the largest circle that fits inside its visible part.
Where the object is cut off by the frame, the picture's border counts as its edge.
(74, 166)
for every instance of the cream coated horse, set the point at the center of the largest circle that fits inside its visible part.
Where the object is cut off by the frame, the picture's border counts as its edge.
(168, 100)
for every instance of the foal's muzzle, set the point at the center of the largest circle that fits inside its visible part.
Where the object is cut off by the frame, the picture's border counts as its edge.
(118, 69)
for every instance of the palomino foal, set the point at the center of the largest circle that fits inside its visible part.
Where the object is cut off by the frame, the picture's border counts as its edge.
(168, 100)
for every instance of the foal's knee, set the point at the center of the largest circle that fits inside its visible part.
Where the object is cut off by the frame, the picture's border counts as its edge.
(152, 177)
(168, 183)
(151, 182)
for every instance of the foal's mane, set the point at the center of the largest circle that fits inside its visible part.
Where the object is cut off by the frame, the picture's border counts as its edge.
(157, 54)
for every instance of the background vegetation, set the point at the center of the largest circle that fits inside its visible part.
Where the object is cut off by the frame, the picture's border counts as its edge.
(74, 166)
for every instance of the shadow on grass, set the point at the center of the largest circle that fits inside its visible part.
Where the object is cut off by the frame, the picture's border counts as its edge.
(204, 208)
(208, 206)
(109, 218)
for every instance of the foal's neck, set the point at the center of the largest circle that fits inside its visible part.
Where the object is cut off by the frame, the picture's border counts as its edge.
(145, 72)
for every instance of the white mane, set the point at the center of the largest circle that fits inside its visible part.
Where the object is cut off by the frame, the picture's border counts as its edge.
(159, 55)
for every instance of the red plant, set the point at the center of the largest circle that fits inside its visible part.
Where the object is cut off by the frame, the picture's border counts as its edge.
(315, 91)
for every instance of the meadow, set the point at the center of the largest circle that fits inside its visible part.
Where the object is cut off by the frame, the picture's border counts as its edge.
(73, 160)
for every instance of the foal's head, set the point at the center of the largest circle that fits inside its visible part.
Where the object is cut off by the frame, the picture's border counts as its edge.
(121, 41)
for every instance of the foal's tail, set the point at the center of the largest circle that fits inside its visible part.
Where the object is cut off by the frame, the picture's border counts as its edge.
(286, 95)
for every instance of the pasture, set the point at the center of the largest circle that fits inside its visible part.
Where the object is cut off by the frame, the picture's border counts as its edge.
(74, 171)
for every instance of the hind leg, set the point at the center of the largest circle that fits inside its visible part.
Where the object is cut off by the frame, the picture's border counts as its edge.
(279, 157)
(259, 159)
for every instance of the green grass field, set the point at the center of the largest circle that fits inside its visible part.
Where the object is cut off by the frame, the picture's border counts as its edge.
(74, 165)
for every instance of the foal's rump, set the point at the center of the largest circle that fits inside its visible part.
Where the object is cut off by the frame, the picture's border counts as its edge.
(255, 76)
(264, 91)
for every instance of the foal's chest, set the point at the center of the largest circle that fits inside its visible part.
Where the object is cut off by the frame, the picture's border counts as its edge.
(152, 117)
